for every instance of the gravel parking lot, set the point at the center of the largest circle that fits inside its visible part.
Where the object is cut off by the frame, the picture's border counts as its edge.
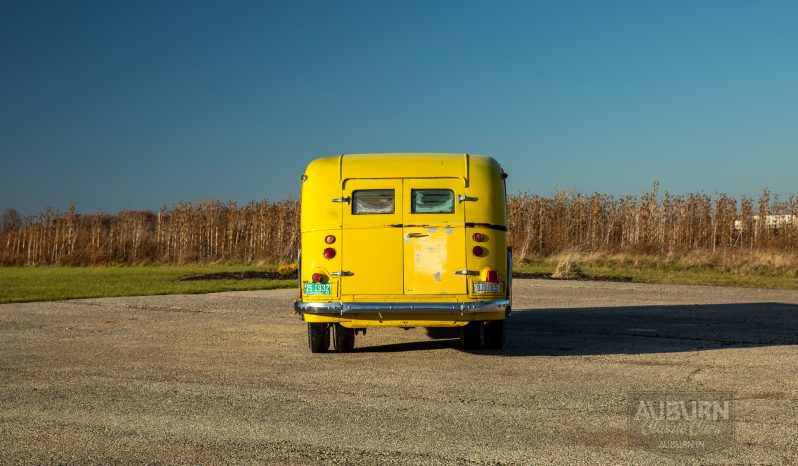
(228, 377)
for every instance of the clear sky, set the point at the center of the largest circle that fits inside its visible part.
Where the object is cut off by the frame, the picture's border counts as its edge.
(138, 104)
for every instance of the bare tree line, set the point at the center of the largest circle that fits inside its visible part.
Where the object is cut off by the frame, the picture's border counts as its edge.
(200, 232)
(539, 226)
(650, 224)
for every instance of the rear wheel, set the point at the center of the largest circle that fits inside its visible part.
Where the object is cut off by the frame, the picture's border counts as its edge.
(343, 338)
(318, 337)
(494, 334)
(469, 336)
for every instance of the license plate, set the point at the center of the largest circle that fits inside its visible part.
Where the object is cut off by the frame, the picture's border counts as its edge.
(318, 288)
(486, 287)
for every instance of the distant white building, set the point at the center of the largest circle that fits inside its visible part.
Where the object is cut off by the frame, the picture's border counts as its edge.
(773, 221)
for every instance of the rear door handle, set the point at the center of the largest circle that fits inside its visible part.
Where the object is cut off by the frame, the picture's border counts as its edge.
(416, 235)
(342, 273)
(466, 272)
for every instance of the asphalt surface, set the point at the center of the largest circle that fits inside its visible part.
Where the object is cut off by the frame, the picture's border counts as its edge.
(228, 378)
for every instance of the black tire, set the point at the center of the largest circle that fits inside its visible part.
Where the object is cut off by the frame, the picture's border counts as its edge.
(494, 334)
(343, 338)
(318, 337)
(470, 335)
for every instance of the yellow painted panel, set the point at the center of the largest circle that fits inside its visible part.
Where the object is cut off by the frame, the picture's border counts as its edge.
(374, 257)
(434, 242)
(404, 165)
(495, 257)
(376, 249)
(313, 259)
(431, 260)
(320, 186)
(485, 184)
(372, 247)
(327, 175)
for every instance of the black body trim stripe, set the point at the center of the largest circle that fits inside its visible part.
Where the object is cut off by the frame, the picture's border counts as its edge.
(467, 225)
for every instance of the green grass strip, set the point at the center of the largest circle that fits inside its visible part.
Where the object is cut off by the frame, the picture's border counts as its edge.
(674, 274)
(25, 284)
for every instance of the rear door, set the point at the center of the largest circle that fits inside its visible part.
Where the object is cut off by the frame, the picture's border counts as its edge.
(372, 237)
(433, 237)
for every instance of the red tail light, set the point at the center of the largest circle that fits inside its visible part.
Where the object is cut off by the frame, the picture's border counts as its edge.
(492, 276)
(478, 251)
(329, 253)
(316, 277)
(479, 237)
(329, 239)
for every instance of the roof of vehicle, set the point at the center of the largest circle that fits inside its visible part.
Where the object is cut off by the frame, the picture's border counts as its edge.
(326, 177)
(405, 165)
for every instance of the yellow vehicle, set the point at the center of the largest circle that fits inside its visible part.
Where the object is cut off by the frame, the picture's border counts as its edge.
(404, 240)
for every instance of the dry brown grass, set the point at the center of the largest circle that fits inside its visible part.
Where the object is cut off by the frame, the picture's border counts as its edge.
(187, 233)
(744, 262)
(568, 266)
(692, 228)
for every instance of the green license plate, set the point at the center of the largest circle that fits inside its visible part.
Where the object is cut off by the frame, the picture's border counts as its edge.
(318, 288)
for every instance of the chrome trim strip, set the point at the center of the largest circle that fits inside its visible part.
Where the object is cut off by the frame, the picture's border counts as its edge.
(342, 308)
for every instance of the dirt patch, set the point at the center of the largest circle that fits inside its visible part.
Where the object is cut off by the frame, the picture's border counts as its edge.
(587, 278)
(248, 275)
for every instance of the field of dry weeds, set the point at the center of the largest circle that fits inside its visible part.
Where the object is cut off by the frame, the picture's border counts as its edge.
(698, 228)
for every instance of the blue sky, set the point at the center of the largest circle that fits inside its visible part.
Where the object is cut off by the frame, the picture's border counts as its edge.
(116, 105)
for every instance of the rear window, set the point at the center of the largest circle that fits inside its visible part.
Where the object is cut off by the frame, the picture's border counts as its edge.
(373, 201)
(432, 201)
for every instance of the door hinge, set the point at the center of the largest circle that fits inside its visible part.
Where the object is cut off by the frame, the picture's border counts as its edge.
(346, 199)
(463, 198)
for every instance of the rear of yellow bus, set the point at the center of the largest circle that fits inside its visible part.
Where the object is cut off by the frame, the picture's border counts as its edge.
(404, 240)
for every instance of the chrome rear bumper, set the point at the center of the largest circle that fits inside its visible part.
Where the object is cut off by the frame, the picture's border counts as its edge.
(343, 308)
